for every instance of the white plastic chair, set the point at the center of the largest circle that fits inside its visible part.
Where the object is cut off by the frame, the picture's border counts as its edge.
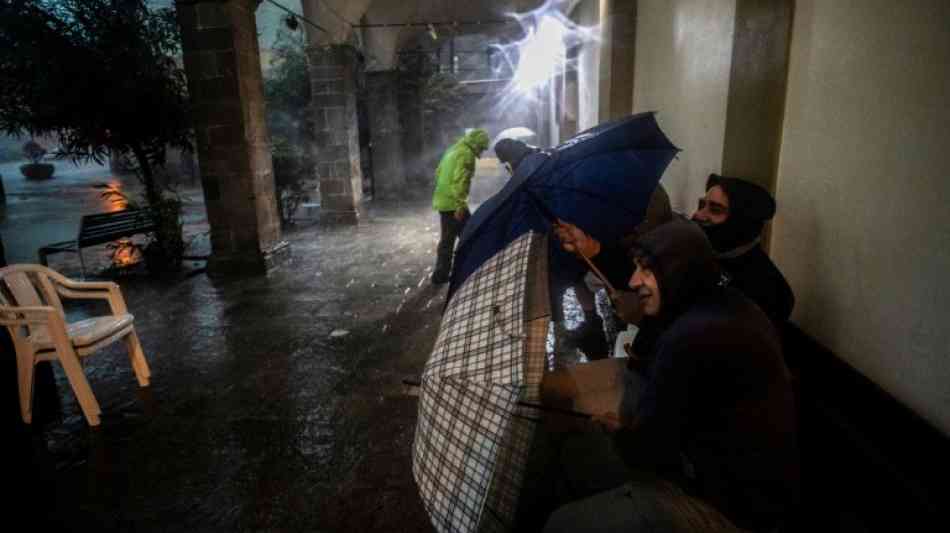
(31, 309)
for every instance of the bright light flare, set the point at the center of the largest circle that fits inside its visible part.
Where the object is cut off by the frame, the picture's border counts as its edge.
(541, 55)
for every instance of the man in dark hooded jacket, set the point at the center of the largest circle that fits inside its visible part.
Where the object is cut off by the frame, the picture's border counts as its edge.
(713, 442)
(732, 213)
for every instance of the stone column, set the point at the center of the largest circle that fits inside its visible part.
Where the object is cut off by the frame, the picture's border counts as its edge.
(618, 19)
(388, 174)
(334, 75)
(223, 66)
(757, 82)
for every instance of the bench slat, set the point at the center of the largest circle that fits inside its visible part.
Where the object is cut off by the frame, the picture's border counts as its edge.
(99, 238)
(118, 214)
(117, 225)
(105, 227)
(99, 228)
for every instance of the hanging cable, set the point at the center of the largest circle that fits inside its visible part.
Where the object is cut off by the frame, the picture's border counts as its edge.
(337, 15)
(301, 17)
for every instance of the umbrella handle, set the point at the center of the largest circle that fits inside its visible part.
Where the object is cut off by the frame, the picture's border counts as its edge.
(600, 275)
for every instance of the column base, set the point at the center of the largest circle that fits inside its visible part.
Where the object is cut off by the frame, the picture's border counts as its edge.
(341, 217)
(245, 264)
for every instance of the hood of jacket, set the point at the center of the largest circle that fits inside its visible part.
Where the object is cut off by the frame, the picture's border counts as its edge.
(684, 264)
(477, 140)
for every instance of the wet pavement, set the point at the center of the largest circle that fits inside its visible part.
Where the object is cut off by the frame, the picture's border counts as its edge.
(257, 419)
(261, 414)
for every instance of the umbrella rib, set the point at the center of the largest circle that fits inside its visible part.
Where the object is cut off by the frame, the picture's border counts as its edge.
(586, 193)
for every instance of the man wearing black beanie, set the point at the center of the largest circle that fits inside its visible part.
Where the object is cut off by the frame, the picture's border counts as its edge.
(512, 151)
(733, 213)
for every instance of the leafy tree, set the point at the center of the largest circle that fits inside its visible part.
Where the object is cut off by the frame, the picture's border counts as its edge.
(287, 94)
(101, 75)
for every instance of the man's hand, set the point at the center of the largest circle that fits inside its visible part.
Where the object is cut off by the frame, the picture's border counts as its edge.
(627, 306)
(461, 214)
(574, 240)
(609, 422)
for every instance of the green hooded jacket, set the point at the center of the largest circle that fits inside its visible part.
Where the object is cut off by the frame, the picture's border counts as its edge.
(453, 178)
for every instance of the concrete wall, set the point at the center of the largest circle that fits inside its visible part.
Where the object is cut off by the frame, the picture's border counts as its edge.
(683, 60)
(863, 231)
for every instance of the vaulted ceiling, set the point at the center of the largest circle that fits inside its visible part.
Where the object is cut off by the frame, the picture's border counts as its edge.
(383, 27)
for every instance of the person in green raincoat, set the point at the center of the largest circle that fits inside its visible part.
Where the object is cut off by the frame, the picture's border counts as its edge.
(453, 178)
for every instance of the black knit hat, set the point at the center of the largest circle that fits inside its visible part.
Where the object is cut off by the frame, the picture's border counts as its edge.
(512, 151)
(746, 199)
(750, 207)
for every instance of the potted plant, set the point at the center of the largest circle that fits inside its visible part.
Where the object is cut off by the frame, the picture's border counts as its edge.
(35, 170)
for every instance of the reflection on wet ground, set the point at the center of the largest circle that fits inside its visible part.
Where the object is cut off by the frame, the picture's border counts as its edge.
(276, 401)
(41, 212)
(257, 419)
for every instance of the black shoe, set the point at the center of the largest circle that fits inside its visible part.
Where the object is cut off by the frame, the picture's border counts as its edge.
(439, 280)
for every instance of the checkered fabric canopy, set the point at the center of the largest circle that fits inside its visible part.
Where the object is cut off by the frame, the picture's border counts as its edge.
(470, 447)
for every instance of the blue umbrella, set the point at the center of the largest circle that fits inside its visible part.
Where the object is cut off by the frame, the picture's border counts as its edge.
(600, 180)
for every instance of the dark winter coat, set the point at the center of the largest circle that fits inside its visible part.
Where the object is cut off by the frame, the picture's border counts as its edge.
(716, 413)
(755, 275)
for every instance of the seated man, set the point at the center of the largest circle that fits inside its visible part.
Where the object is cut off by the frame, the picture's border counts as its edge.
(612, 260)
(732, 214)
(712, 445)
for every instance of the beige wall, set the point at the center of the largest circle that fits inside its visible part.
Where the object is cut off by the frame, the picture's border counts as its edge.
(683, 59)
(863, 231)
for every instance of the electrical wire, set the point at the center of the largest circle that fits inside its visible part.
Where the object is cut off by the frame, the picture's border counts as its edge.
(337, 15)
(301, 17)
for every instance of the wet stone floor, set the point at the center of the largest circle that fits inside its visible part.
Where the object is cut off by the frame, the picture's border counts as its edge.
(257, 418)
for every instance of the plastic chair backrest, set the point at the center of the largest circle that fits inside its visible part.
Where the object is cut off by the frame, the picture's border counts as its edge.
(28, 286)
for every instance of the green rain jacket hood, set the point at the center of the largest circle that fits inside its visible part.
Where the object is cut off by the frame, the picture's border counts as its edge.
(453, 178)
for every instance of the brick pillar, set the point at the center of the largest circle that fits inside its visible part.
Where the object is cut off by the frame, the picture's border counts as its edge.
(222, 63)
(388, 174)
(334, 74)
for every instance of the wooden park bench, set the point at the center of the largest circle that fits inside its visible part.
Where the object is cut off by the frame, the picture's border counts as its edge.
(101, 228)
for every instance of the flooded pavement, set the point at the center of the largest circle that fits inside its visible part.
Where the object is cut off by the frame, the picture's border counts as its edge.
(276, 402)
(257, 418)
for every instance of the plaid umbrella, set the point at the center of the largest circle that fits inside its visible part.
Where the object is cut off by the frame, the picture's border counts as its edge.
(472, 436)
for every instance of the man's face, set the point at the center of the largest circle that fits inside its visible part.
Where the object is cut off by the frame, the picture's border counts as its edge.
(644, 283)
(713, 208)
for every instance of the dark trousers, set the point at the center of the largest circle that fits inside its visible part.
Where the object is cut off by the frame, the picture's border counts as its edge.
(451, 229)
